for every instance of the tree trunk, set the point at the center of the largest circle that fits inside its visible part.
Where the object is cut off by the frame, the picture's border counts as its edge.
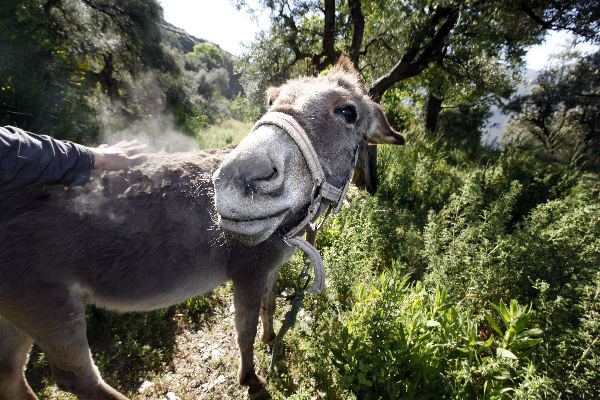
(432, 112)
(365, 173)
(358, 20)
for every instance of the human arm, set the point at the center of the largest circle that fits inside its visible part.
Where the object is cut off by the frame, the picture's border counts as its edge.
(28, 160)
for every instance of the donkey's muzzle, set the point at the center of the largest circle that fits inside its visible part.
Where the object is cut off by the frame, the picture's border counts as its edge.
(252, 174)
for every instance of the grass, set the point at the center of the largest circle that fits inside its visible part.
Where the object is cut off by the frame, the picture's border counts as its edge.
(228, 132)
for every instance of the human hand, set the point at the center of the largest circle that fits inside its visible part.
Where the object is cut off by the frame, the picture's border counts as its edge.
(121, 155)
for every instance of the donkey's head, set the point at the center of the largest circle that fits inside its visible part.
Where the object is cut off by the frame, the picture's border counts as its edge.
(313, 127)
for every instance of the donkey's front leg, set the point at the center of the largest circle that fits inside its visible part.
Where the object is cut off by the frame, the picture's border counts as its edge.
(267, 309)
(247, 296)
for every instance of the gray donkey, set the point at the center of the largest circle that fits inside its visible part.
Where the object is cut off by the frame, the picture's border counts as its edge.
(176, 227)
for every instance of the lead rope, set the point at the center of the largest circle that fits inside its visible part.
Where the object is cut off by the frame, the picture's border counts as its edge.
(297, 297)
(310, 256)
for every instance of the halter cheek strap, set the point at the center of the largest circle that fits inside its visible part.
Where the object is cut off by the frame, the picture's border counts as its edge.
(321, 189)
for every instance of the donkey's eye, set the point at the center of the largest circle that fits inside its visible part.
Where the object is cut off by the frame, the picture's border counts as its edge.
(348, 112)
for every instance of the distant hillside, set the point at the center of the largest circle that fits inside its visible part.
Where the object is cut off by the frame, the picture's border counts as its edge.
(185, 42)
(181, 41)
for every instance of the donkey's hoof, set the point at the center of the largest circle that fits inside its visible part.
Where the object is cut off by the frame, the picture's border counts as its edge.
(255, 383)
(262, 394)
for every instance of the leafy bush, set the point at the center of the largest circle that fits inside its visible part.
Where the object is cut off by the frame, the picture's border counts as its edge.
(462, 125)
(559, 253)
(483, 228)
(401, 341)
(417, 177)
(243, 109)
(466, 245)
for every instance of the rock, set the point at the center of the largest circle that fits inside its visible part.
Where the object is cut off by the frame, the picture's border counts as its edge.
(145, 386)
(172, 396)
(215, 354)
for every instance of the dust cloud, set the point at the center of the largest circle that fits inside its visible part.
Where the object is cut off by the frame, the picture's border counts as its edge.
(156, 129)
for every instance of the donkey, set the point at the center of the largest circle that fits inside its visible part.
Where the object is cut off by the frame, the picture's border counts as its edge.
(174, 228)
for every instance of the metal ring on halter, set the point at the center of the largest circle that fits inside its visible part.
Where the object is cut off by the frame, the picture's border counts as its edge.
(284, 239)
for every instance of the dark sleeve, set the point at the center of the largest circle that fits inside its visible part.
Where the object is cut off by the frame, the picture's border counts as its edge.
(27, 159)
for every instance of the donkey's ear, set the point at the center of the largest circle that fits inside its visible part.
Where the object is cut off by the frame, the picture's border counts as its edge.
(346, 74)
(379, 130)
(272, 94)
(344, 64)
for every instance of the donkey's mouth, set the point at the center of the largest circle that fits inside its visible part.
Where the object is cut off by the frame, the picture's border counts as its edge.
(250, 230)
(249, 219)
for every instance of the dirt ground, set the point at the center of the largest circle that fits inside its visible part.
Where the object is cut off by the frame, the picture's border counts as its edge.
(204, 365)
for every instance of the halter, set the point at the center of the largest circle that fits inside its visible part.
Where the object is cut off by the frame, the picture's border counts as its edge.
(321, 190)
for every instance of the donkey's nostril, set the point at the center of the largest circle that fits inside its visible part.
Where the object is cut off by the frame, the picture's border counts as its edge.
(273, 175)
(266, 183)
(249, 187)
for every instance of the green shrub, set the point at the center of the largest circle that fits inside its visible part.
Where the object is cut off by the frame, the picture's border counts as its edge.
(401, 341)
(199, 310)
(558, 251)
(483, 228)
(417, 177)
(126, 347)
(466, 245)
(243, 109)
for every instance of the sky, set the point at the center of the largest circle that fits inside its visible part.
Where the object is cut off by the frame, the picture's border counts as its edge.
(538, 56)
(218, 21)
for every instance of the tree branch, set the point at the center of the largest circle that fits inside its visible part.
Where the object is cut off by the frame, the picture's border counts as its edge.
(420, 53)
(358, 20)
(536, 18)
(292, 38)
(552, 24)
(382, 42)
